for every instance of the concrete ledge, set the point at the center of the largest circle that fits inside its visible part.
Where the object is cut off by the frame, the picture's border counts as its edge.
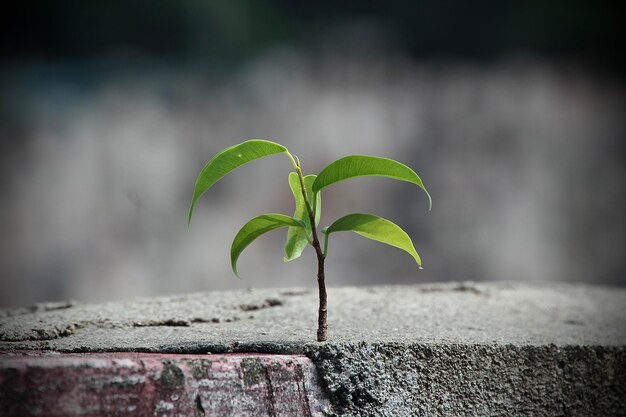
(140, 384)
(475, 380)
(454, 349)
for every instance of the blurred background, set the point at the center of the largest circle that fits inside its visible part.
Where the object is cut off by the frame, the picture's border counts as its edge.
(511, 112)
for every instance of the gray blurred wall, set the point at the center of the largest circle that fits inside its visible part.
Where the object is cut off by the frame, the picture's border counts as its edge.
(523, 159)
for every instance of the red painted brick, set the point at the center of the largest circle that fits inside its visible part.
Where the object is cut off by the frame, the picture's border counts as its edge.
(142, 384)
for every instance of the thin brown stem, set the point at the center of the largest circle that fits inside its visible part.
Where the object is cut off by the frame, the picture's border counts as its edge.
(322, 321)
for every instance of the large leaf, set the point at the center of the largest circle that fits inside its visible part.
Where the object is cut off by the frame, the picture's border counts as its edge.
(375, 228)
(363, 165)
(255, 228)
(229, 159)
(298, 238)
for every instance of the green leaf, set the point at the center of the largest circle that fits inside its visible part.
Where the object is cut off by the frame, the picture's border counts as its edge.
(255, 228)
(363, 165)
(298, 238)
(229, 159)
(317, 200)
(375, 228)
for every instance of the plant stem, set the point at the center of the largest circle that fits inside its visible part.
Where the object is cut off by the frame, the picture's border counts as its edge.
(322, 320)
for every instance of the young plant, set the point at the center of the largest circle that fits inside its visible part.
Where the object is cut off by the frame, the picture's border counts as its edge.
(302, 226)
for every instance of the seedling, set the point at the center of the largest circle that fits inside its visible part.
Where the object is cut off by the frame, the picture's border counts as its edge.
(302, 226)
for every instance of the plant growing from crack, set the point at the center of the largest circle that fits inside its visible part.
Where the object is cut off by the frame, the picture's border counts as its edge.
(302, 226)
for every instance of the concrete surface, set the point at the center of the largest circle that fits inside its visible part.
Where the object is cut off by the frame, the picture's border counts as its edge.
(453, 349)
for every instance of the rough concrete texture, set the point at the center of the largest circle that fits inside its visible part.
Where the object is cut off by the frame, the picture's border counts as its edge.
(453, 349)
(140, 384)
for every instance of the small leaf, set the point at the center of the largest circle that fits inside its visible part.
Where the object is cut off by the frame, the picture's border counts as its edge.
(298, 238)
(363, 165)
(229, 159)
(375, 228)
(255, 228)
(317, 201)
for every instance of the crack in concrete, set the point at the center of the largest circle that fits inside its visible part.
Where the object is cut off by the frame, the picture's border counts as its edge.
(306, 408)
(199, 410)
(38, 308)
(270, 302)
(41, 334)
(167, 322)
(455, 287)
(270, 393)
